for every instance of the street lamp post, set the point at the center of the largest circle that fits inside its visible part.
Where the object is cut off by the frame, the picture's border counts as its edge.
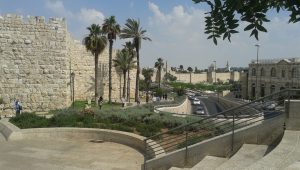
(215, 71)
(73, 88)
(256, 72)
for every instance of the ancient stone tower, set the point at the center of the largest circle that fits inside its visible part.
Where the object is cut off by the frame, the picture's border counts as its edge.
(36, 62)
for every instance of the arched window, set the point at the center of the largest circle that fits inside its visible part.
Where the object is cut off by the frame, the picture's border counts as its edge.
(273, 72)
(295, 73)
(262, 72)
(253, 72)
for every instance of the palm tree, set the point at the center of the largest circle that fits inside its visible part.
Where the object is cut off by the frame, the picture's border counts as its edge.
(95, 42)
(130, 48)
(190, 69)
(133, 30)
(124, 62)
(112, 29)
(159, 65)
(147, 73)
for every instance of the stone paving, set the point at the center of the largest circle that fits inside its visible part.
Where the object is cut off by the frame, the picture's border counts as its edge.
(57, 154)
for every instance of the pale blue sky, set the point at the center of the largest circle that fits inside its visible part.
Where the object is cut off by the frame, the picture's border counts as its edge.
(175, 26)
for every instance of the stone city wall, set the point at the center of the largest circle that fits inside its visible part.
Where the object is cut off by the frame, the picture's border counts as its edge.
(37, 58)
(33, 62)
(83, 65)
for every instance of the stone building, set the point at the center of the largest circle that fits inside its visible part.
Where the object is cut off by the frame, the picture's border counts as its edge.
(37, 59)
(268, 76)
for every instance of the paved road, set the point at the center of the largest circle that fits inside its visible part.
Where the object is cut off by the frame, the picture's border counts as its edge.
(212, 107)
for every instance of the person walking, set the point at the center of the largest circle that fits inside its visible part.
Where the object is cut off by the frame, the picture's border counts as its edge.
(17, 107)
(100, 102)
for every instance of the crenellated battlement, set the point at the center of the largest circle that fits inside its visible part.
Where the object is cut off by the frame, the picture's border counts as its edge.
(34, 20)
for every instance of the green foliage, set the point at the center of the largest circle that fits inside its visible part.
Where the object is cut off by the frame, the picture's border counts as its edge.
(225, 15)
(29, 120)
(179, 90)
(169, 77)
(138, 119)
(159, 92)
(190, 69)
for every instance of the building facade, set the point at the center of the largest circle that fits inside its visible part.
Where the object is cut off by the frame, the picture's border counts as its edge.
(268, 76)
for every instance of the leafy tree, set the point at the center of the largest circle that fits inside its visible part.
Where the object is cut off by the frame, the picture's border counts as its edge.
(112, 29)
(124, 62)
(147, 73)
(137, 33)
(130, 48)
(181, 68)
(169, 77)
(173, 68)
(225, 15)
(95, 42)
(159, 65)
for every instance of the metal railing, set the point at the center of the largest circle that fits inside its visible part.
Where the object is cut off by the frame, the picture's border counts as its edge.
(227, 121)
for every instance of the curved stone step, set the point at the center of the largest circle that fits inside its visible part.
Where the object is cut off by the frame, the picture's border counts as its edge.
(2, 137)
(247, 155)
(209, 163)
(294, 166)
(175, 168)
(286, 153)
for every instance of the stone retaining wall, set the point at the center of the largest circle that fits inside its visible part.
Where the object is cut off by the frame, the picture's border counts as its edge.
(184, 108)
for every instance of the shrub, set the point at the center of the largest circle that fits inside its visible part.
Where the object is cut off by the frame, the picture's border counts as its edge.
(65, 120)
(88, 112)
(121, 127)
(1, 100)
(147, 130)
(29, 120)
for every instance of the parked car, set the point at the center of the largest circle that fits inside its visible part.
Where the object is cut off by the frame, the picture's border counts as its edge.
(269, 105)
(196, 101)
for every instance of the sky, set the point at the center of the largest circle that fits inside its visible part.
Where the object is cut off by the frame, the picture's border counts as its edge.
(176, 28)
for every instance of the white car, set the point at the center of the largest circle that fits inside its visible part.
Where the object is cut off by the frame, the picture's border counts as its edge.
(196, 101)
(200, 111)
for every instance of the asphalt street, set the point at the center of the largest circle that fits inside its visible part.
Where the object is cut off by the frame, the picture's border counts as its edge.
(212, 107)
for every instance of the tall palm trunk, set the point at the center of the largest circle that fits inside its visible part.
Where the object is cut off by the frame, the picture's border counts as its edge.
(137, 73)
(147, 95)
(96, 76)
(124, 85)
(159, 77)
(109, 70)
(128, 86)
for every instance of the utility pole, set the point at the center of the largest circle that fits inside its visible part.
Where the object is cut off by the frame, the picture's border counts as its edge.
(256, 87)
(215, 71)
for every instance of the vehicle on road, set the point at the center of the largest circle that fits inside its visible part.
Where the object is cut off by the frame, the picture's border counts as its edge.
(200, 111)
(196, 101)
(269, 105)
(191, 97)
